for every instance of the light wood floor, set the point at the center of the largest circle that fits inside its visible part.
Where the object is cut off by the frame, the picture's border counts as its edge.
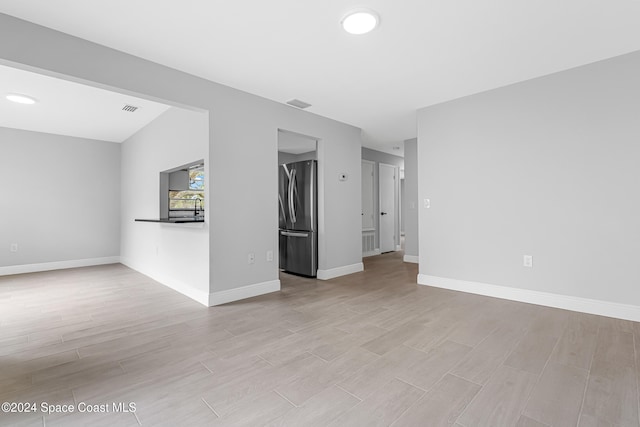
(369, 349)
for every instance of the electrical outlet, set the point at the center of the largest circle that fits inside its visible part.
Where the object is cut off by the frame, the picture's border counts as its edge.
(269, 256)
(528, 261)
(14, 247)
(251, 258)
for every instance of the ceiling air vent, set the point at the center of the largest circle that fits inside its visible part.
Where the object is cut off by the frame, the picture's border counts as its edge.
(297, 103)
(129, 108)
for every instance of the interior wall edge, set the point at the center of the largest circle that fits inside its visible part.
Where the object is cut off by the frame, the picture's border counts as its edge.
(411, 258)
(169, 282)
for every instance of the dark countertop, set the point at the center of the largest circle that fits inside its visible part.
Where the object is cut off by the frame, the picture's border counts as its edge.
(178, 220)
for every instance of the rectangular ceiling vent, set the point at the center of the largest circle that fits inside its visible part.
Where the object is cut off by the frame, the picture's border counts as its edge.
(297, 103)
(129, 108)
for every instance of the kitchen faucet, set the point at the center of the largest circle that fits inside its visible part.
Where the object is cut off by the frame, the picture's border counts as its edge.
(195, 207)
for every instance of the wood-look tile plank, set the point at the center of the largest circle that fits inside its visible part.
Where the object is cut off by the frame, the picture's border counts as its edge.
(76, 373)
(501, 400)
(480, 363)
(473, 331)
(79, 419)
(21, 367)
(228, 396)
(589, 421)
(330, 350)
(577, 343)
(612, 394)
(557, 397)
(382, 407)
(22, 420)
(532, 352)
(285, 349)
(393, 338)
(137, 385)
(619, 325)
(615, 346)
(168, 411)
(427, 371)
(433, 333)
(302, 387)
(252, 341)
(550, 321)
(319, 411)
(442, 405)
(262, 410)
(380, 371)
(528, 422)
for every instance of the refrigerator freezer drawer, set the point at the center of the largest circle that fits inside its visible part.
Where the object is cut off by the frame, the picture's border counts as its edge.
(298, 253)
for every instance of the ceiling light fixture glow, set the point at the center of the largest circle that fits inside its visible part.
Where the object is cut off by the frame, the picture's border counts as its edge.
(20, 99)
(360, 21)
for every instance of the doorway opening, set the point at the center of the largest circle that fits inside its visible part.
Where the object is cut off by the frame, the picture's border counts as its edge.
(297, 203)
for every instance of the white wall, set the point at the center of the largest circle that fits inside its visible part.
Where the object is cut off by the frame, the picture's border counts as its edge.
(60, 202)
(548, 168)
(174, 254)
(410, 202)
(243, 136)
(379, 157)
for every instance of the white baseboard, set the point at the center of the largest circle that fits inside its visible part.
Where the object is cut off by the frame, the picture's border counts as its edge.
(372, 253)
(170, 282)
(340, 271)
(411, 258)
(58, 265)
(223, 297)
(583, 305)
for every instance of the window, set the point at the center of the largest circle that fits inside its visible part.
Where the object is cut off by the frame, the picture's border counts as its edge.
(189, 201)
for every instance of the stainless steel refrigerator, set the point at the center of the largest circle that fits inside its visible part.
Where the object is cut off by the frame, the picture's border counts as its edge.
(298, 207)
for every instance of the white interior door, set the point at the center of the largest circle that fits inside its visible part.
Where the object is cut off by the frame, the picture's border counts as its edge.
(368, 211)
(387, 185)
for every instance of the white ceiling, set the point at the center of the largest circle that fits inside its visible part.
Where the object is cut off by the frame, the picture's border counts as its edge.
(424, 52)
(72, 109)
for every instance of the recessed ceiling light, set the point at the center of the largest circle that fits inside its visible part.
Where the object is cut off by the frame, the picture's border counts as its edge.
(360, 21)
(20, 99)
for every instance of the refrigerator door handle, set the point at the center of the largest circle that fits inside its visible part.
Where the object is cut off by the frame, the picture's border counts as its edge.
(292, 186)
(294, 234)
(284, 215)
(289, 198)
